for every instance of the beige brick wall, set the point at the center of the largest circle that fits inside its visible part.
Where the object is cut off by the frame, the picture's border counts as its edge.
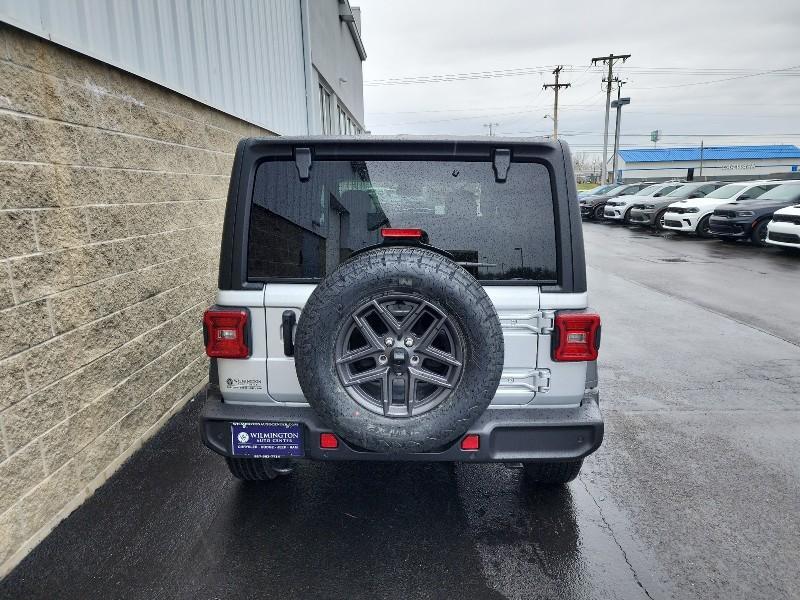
(112, 193)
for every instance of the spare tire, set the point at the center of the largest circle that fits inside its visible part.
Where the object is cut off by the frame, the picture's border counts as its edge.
(399, 350)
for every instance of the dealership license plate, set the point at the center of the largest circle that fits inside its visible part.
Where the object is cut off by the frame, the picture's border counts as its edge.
(266, 440)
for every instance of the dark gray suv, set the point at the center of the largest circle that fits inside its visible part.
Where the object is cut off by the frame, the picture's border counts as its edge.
(592, 207)
(651, 213)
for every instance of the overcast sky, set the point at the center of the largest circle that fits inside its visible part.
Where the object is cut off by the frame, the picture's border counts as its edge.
(676, 47)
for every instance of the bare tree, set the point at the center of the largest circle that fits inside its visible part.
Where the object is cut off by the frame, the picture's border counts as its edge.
(580, 162)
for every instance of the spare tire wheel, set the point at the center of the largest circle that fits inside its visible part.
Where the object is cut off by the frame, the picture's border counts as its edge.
(399, 350)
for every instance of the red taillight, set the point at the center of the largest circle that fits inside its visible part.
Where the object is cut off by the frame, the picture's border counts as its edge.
(471, 442)
(226, 332)
(577, 337)
(393, 233)
(328, 441)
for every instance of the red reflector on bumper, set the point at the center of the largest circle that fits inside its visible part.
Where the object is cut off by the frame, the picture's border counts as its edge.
(471, 442)
(328, 441)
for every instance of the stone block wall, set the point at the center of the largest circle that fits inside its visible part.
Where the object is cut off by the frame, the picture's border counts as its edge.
(112, 193)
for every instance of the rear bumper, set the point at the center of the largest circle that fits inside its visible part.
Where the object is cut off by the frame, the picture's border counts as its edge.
(506, 435)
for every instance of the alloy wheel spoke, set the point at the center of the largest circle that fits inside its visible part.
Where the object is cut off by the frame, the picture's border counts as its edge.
(386, 392)
(429, 377)
(411, 394)
(433, 330)
(355, 355)
(369, 334)
(411, 318)
(388, 318)
(439, 355)
(365, 376)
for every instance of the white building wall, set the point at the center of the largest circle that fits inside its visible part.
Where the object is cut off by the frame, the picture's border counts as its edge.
(336, 60)
(243, 57)
(711, 168)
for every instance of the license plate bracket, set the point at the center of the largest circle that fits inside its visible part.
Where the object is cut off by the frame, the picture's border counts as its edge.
(267, 440)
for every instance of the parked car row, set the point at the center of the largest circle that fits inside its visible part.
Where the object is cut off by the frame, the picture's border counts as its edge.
(761, 212)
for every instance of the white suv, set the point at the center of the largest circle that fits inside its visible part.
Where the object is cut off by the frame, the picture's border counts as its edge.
(784, 229)
(693, 215)
(619, 209)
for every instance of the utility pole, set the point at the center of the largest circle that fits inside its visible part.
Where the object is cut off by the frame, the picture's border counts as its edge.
(609, 60)
(618, 106)
(556, 86)
(491, 127)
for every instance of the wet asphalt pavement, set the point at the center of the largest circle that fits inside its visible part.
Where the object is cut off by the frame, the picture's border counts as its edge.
(694, 494)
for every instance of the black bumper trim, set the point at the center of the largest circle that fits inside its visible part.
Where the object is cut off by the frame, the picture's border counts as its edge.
(731, 229)
(507, 434)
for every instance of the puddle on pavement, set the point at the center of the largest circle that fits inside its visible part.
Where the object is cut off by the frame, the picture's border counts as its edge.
(676, 259)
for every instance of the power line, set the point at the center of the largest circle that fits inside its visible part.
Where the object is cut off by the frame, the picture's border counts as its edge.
(735, 73)
(582, 76)
(459, 76)
(770, 72)
(465, 118)
(583, 106)
(451, 110)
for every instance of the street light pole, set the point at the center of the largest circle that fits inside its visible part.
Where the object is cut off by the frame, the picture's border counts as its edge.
(702, 147)
(554, 127)
(618, 104)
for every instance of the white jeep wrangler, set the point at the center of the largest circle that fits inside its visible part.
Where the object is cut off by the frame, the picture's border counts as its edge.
(412, 299)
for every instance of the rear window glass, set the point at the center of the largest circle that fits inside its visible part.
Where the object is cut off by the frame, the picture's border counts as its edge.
(495, 230)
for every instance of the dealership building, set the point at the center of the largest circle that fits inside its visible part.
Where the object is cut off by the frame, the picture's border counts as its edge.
(709, 162)
(119, 122)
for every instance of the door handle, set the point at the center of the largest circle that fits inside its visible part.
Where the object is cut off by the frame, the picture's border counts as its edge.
(288, 319)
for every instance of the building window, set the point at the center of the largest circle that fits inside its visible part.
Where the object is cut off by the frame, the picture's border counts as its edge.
(339, 122)
(325, 109)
